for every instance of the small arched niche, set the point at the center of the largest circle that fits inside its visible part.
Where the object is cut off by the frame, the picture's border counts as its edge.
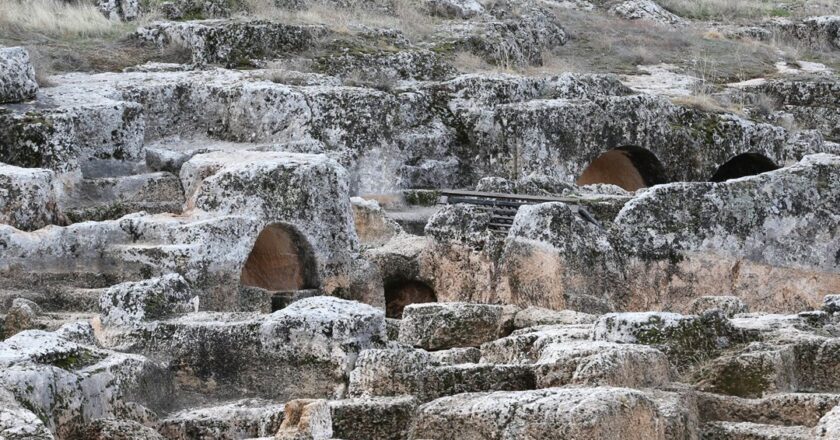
(742, 165)
(281, 260)
(400, 293)
(629, 167)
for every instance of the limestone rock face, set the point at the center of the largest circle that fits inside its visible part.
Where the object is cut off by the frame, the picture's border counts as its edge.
(155, 299)
(512, 41)
(106, 429)
(436, 326)
(526, 346)
(69, 384)
(372, 418)
(384, 372)
(219, 41)
(766, 217)
(421, 65)
(645, 10)
(305, 350)
(534, 316)
(601, 364)
(243, 418)
(728, 305)
(120, 9)
(306, 419)
(829, 425)
(682, 337)
(549, 251)
(17, 76)
(88, 134)
(19, 423)
(464, 223)
(831, 303)
(731, 231)
(27, 198)
(817, 32)
(304, 195)
(579, 413)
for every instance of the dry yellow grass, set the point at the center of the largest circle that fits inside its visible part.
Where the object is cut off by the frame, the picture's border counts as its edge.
(55, 18)
(729, 10)
(405, 15)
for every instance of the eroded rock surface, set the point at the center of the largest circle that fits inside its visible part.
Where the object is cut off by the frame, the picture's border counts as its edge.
(409, 220)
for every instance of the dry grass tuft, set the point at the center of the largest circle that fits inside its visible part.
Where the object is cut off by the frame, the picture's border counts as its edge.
(56, 18)
(706, 103)
(749, 10)
(404, 15)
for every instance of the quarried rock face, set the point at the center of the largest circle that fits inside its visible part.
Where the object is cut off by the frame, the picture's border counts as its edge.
(304, 195)
(667, 246)
(17, 76)
(306, 350)
(554, 258)
(579, 413)
(149, 300)
(748, 231)
(67, 384)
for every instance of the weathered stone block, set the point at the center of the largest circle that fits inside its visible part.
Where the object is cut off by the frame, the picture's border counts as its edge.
(436, 326)
(149, 300)
(573, 414)
(17, 76)
(373, 417)
(27, 199)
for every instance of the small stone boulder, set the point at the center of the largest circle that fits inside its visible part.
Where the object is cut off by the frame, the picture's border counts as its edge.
(831, 303)
(438, 326)
(17, 76)
(125, 10)
(21, 316)
(153, 299)
(373, 226)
